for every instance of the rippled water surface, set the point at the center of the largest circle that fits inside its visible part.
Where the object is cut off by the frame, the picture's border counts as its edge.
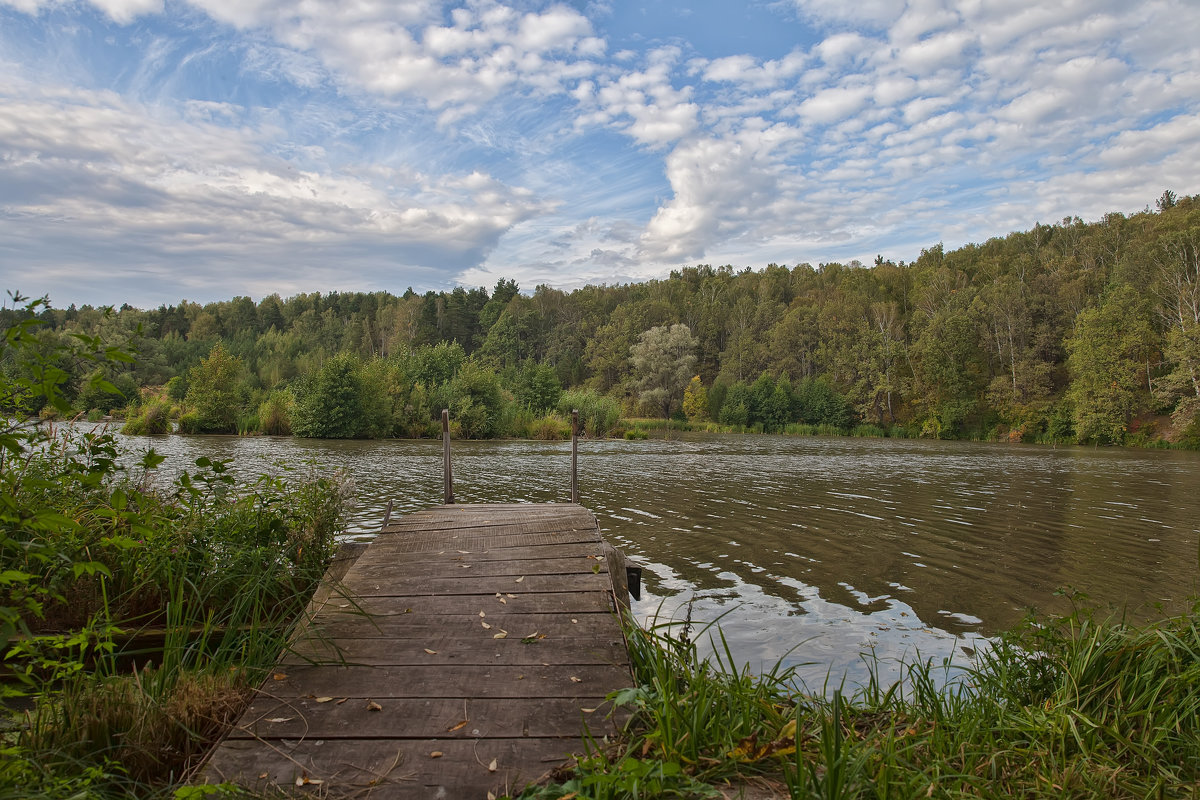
(820, 549)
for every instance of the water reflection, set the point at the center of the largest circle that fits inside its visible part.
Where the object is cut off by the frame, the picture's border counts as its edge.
(817, 550)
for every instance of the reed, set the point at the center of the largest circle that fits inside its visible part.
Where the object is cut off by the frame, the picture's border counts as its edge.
(1061, 707)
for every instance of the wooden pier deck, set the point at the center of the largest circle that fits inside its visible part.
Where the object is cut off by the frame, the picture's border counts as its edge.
(465, 652)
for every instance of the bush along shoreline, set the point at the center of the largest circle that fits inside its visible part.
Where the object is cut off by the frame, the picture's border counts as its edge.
(1060, 707)
(135, 621)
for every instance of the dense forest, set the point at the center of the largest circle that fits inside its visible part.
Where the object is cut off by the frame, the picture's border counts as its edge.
(1077, 331)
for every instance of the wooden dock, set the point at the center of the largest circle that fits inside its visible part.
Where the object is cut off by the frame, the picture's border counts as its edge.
(466, 652)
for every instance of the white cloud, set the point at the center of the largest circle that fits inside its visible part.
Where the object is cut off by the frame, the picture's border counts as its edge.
(831, 105)
(902, 116)
(166, 192)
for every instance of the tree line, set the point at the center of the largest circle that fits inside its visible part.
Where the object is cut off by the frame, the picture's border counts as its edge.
(1075, 331)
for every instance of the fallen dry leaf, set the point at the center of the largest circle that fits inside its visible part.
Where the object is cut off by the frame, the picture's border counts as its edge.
(324, 699)
(431, 652)
(344, 699)
(520, 579)
(492, 766)
(574, 622)
(373, 706)
(465, 552)
(576, 680)
(482, 614)
(279, 676)
(281, 719)
(263, 774)
(503, 634)
(588, 710)
(502, 600)
(436, 754)
(303, 780)
(510, 596)
(465, 566)
(458, 727)
(491, 796)
(485, 626)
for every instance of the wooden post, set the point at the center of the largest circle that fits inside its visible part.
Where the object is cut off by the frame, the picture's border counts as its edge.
(387, 515)
(575, 455)
(449, 479)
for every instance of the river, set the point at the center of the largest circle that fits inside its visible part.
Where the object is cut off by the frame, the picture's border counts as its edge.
(817, 550)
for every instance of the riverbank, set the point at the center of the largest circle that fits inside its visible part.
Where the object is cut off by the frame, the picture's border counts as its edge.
(137, 621)
(600, 419)
(1059, 707)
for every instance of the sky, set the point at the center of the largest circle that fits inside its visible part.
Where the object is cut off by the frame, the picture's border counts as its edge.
(159, 150)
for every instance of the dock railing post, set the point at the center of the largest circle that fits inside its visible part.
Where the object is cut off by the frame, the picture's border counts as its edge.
(574, 455)
(449, 479)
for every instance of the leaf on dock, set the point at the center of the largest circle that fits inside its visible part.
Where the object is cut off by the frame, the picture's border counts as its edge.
(457, 727)
(373, 706)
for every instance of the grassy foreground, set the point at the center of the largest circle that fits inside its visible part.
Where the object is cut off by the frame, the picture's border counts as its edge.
(1066, 707)
(135, 617)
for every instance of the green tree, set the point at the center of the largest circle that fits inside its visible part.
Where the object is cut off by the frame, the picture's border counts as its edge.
(946, 372)
(1178, 287)
(735, 410)
(537, 387)
(475, 401)
(662, 362)
(344, 400)
(818, 403)
(216, 392)
(1107, 360)
(695, 400)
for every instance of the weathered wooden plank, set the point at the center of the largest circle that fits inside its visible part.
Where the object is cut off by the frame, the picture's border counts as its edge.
(583, 680)
(391, 769)
(423, 626)
(384, 557)
(471, 543)
(496, 562)
(524, 645)
(427, 718)
(545, 523)
(543, 603)
(466, 583)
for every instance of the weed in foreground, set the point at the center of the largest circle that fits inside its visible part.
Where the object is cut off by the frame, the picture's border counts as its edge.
(1063, 707)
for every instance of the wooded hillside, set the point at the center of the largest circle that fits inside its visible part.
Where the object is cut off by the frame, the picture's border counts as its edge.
(1077, 330)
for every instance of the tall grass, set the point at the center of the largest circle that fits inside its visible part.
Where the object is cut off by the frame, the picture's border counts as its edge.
(216, 572)
(1066, 707)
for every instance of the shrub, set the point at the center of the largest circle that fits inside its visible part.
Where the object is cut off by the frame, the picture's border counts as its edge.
(549, 429)
(274, 415)
(154, 418)
(189, 423)
(216, 392)
(597, 413)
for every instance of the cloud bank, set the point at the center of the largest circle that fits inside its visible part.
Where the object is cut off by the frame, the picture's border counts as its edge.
(153, 150)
